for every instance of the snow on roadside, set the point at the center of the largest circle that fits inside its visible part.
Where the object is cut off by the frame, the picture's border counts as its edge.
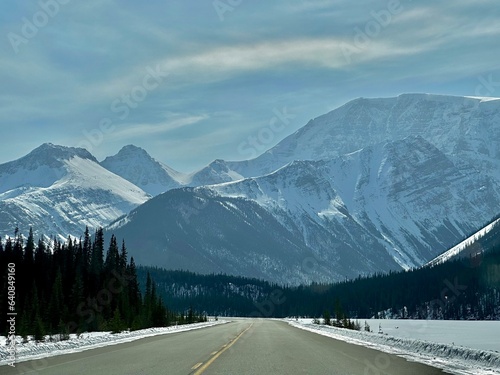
(456, 360)
(32, 351)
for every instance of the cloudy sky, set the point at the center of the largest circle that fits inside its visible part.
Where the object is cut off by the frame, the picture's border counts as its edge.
(193, 80)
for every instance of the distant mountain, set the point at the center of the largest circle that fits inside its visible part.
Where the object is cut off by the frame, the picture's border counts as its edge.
(194, 229)
(214, 173)
(135, 165)
(467, 130)
(59, 190)
(389, 206)
(375, 185)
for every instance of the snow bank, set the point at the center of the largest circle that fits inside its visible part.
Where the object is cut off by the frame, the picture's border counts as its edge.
(453, 359)
(31, 350)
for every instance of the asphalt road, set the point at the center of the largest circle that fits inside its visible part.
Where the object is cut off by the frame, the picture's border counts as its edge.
(259, 346)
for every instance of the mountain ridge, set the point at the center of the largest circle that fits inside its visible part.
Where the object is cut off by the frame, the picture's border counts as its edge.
(389, 206)
(459, 126)
(374, 185)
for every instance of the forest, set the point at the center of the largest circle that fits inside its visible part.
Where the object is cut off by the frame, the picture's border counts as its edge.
(74, 287)
(464, 288)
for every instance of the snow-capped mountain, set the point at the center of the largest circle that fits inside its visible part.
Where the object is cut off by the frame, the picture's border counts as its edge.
(136, 166)
(407, 193)
(216, 172)
(388, 206)
(465, 129)
(59, 190)
(374, 185)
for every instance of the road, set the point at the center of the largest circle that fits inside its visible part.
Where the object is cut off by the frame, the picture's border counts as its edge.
(258, 346)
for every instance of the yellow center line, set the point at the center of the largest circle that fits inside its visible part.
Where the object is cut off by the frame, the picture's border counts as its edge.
(226, 347)
(196, 366)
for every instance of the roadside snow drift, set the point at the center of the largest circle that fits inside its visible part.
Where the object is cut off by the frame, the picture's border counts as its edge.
(452, 359)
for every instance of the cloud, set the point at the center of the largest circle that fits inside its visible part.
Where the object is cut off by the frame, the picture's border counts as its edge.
(264, 55)
(146, 130)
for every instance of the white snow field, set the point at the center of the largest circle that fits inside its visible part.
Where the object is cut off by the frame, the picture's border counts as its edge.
(32, 351)
(457, 347)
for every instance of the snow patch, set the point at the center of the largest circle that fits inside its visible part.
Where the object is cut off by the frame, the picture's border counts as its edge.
(455, 359)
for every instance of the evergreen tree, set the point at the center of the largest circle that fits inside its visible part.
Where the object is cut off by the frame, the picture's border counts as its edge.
(96, 263)
(327, 318)
(123, 259)
(116, 324)
(57, 307)
(112, 257)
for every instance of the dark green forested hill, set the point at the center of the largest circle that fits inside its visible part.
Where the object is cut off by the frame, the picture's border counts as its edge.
(467, 288)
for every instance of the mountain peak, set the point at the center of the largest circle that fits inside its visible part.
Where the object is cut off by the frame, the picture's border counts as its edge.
(132, 149)
(50, 155)
(134, 164)
(42, 167)
(460, 127)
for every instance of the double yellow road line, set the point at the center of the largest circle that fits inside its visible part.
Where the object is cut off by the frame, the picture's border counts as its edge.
(200, 369)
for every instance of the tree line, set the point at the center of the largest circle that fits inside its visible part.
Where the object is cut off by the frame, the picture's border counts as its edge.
(466, 288)
(74, 286)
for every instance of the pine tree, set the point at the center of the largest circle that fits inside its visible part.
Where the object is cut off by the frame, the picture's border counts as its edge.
(57, 307)
(190, 317)
(29, 251)
(123, 258)
(147, 304)
(116, 324)
(97, 262)
(112, 257)
(37, 325)
(75, 298)
(327, 318)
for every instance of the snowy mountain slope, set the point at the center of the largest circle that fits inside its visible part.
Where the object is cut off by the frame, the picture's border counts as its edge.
(136, 166)
(58, 190)
(390, 206)
(214, 173)
(468, 247)
(196, 230)
(405, 196)
(465, 129)
(40, 168)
